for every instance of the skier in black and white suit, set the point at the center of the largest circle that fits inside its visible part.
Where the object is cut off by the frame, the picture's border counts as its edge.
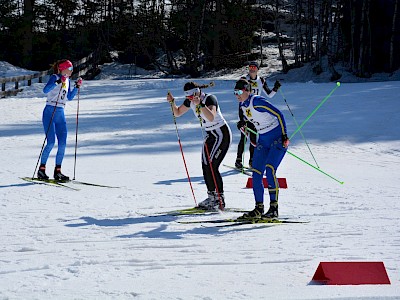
(216, 142)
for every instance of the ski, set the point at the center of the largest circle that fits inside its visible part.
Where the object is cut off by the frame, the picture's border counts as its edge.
(195, 211)
(50, 182)
(245, 170)
(93, 184)
(246, 221)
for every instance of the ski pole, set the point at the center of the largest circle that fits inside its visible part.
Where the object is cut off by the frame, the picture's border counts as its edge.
(252, 131)
(297, 124)
(307, 163)
(183, 156)
(221, 207)
(76, 133)
(47, 132)
(315, 110)
(318, 169)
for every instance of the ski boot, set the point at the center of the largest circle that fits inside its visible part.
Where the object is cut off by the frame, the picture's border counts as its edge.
(58, 176)
(218, 202)
(256, 213)
(272, 212)
(212, 202)
(238, 163)
(41, 174)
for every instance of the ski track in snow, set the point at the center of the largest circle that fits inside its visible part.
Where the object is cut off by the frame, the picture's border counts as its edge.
(100, 243)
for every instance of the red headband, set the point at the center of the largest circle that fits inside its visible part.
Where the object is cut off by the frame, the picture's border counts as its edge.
(64, 65)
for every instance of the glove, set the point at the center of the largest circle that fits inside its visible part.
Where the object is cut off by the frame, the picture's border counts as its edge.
(240, 124)
(277, 85)
(285, 140)
(170, 97)
(78, 82)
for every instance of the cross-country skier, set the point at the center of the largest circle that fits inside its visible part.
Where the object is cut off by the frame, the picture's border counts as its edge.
(58, 90)
(257, 85)
(271, 147)
(216, 142)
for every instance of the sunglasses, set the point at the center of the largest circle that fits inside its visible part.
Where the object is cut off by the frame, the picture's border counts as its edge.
(190, 93)
(238, 92)
(253, 68)
(70, 68)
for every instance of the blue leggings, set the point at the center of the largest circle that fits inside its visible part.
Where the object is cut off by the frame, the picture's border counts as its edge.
(267, 157)
(58, 127)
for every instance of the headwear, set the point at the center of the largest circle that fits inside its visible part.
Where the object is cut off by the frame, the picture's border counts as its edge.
(192, 92)
(242, 84)
(254, 63)
(65, 65)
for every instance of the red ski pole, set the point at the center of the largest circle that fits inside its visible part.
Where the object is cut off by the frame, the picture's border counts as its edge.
(183, 156)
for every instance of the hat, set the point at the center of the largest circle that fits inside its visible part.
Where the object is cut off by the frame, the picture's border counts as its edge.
(65, 65)
(254, 63)
(242, 84)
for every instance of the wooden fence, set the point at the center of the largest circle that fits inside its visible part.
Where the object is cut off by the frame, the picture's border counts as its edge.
(82, 67)
(17, 80)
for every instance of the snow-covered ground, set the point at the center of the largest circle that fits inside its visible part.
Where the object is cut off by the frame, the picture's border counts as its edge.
(99, 243)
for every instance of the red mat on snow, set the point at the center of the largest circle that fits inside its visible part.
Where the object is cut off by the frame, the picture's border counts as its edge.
(351, 273)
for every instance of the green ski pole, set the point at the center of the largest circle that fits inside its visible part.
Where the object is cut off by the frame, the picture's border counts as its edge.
(297, 124)
(307, 163)
(318, 169)
(315, 110)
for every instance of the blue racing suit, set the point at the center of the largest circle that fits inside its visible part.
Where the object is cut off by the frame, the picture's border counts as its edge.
(269, 152)
(53, 119)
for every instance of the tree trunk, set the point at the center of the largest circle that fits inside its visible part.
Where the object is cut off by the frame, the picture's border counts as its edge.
(301, 41)
(217, 46)
(285, 67)
(392, 39)
(310, 32)
(198, 60)
(296, 33)
(352, 59)
(362, 64)
(318, 46)
(331, 51)
(27, 33)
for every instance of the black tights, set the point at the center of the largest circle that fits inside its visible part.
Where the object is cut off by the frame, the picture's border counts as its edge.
(215, 147)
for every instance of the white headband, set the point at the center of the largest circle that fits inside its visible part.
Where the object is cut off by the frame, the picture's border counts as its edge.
(192, 91)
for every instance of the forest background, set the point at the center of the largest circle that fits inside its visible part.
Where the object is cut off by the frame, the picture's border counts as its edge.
(190, 37)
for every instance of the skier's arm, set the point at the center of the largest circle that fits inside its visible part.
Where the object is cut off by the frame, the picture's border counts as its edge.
(51, 84)
(242, 121)
(241, 115)
(72, 93)
(270, 93)
(178, 111)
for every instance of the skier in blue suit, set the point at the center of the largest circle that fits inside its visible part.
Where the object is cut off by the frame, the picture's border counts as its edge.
(271, 146)
(58, 92)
